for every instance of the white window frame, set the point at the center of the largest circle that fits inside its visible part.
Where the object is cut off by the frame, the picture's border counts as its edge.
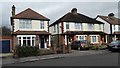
(25, 24)
(42, 25)
(96, 37)
(67, 25)
(100, 27)
(118, 27)
(91, 27)
(78, 26)
(83, 36)
(31, 40)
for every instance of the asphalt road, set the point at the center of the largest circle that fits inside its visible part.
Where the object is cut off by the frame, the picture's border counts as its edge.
(108, 59)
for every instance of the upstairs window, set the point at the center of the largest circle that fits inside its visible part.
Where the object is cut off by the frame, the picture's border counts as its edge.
(67, 25)
(119, 27)
(99, 26)
(25, 24)
(91, 26)
(78, 26)
(54, 28)
(41, 24)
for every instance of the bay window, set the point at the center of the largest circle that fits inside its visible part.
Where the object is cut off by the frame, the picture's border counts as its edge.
(26, 40)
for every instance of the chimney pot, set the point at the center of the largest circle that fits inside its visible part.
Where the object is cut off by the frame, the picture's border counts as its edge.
(13, 10)
(74, 11)
(111, 14)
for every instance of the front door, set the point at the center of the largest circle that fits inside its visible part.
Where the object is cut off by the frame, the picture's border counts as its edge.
(42, 41)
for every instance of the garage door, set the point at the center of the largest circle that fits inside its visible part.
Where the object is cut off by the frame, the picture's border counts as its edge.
(5, 46)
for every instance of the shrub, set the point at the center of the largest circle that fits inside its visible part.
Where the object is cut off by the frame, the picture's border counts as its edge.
(93, 47)
(25, 51)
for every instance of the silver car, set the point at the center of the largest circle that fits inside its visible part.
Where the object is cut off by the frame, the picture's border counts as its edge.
(114, 45)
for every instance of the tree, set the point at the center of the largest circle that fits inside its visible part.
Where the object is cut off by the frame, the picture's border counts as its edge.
(5, 30)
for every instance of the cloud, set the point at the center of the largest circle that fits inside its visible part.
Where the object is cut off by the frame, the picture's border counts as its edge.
(55, 10)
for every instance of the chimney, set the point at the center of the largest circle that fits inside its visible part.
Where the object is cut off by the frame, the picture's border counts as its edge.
(74, 11)
(111, 15)
(13, 10)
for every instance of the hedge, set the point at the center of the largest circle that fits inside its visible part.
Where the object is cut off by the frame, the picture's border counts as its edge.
(25, 51)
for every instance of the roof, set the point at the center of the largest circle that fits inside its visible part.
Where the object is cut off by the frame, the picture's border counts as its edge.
(110, 19)
(78, 18)
(31, 32)
(84, 32)
(30, 14)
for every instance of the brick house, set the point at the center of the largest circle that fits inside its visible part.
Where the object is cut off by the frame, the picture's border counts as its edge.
(111, 26)
(76, 26)
(30, 28)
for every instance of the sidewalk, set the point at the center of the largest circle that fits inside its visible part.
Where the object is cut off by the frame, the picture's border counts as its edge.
(10, 60)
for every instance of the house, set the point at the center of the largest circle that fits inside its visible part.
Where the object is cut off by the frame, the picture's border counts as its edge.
(76, 26)
(111, 26)
(30, 28)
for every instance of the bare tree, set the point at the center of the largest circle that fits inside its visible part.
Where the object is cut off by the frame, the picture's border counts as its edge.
(5, 30)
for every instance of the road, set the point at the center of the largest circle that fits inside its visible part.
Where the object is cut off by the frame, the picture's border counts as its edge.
(105, 59)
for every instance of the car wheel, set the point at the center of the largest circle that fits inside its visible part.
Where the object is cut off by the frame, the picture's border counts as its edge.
(79, 48)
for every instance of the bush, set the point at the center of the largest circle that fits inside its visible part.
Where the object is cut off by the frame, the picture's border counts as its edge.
(25, 51)
(93, 47)
(97, 47)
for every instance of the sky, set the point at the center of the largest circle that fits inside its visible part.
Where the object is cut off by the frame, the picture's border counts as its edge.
(56, 9)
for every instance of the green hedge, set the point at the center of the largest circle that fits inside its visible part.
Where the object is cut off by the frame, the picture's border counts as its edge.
(25, 51)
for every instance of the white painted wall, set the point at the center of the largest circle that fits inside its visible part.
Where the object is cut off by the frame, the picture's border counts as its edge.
(106, 25)
(116, 28)
(35, 26)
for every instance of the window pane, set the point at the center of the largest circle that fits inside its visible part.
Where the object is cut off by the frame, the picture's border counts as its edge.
(24, 42)
(28, 37)
(28, 42)
(25, 23)
(42, 24)
(24, 37)
(19, 42)
(33, 43)
(67, 25)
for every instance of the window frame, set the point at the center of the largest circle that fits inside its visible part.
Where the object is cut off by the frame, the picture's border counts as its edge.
(25, 23)
(67, 26)
(42, 25)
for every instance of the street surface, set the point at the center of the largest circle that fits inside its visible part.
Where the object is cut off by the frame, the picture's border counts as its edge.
(103, 59)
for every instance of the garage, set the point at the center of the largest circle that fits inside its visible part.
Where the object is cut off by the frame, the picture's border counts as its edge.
(5, 46)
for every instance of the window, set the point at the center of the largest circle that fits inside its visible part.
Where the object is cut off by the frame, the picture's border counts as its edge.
(90, 26)
(94, 39)
(29, 41)
(25, 24)
(114, 27)
(99, 26)
(54, 29)
(119, 27)
(78, 26)
(42, 24)
(67, 25)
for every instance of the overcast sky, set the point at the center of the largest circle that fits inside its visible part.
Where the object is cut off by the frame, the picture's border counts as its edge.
(54, 10)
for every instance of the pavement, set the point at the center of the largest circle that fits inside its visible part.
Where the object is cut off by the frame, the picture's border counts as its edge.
(11, 60)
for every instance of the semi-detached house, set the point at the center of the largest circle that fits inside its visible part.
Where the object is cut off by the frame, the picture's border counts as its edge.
(76, 26)
(111, 26)
(30, 28)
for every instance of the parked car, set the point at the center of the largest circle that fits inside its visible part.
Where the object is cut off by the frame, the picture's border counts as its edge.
(79, 45)
(114, 45)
